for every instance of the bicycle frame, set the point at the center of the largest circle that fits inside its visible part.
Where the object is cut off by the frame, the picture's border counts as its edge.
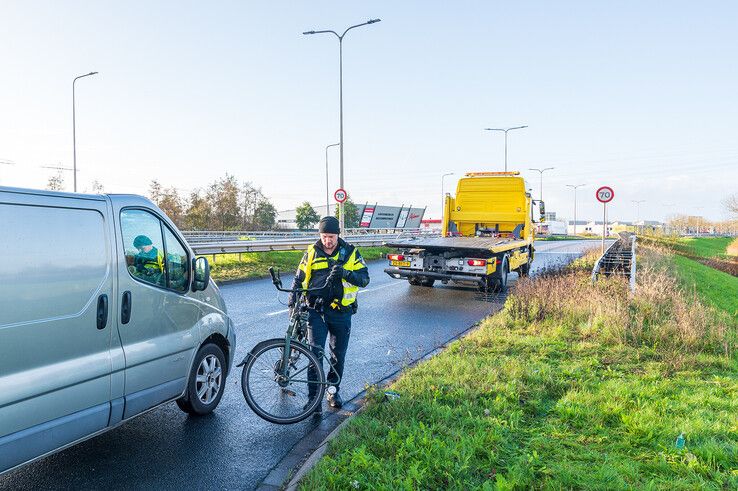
(298, 324)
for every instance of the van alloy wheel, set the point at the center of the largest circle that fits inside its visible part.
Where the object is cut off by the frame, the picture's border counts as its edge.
(209, 378)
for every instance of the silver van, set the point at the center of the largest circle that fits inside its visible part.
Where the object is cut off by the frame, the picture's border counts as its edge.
(105, 313)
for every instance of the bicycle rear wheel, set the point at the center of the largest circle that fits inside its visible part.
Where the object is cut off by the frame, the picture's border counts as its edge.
(272, 395)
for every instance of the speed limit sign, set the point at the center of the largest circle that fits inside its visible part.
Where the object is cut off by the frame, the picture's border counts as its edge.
(340, 195)
(605, 194)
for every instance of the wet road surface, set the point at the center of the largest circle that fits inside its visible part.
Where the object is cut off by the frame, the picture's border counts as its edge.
(232, 448)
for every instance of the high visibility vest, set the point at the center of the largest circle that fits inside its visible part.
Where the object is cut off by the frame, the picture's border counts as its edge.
(152, 265)
(351, 264)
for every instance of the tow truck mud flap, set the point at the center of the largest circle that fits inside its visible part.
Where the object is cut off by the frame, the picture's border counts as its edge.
(399, 274)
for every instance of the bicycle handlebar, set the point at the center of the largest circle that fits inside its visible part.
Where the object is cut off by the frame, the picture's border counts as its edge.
(277, 281)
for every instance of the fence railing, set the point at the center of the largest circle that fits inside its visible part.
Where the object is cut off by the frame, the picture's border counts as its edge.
(619, 258)
(237, 242)
(194, 236)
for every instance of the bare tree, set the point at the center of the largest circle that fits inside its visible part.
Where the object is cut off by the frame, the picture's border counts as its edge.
(97, 187)
(731, 204)
(56, 182)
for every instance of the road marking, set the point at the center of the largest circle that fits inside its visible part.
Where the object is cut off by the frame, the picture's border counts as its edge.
(552, 252)
(277, 312)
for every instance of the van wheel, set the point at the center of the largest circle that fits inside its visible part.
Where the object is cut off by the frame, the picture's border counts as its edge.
(206, 382)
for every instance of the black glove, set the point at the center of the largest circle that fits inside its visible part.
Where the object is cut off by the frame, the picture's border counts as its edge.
(337, 271)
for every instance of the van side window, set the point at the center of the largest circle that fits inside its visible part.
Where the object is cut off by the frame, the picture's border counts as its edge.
(177, 264)
(143, 246)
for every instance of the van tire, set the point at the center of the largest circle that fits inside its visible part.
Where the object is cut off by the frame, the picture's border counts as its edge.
(210, 363)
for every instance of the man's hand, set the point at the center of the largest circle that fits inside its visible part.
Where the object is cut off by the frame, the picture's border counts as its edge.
(337, 271)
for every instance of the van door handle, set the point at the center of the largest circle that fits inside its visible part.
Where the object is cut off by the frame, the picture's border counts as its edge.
(102, 311)
(125, 309)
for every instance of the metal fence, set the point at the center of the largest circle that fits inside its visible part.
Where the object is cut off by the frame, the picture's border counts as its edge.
(619, 258)
(228, 242)
(194, 236)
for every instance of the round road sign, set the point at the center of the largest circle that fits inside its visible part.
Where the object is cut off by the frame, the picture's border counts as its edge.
(340, 195)
(605, 194)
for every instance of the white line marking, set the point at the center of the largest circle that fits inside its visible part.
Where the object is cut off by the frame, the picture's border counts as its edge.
(277, 312)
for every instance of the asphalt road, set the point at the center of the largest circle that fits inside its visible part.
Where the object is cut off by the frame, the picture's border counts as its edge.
(232, 448)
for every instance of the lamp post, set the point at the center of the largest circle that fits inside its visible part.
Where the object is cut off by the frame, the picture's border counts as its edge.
(327, 189)
(541, 171)
(340, 96)
(443, 196)
(638, 210)
(575, 186)
(506, 130)
(74, 129)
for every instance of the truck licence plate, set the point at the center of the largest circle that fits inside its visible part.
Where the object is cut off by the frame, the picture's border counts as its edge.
(402, 264)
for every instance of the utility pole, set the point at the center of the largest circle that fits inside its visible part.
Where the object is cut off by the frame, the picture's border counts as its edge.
(575, 186)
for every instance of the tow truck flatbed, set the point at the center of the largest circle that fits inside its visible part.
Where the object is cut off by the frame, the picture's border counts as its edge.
(470, 244)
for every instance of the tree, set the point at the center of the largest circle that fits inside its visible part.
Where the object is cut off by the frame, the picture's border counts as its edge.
(173, 205)
(352, 214)
(223, 197)
(731, 204)
(155, 191)
(199, 212)
(265, 215)
(97, 187)
(306, 216)
(56, 183)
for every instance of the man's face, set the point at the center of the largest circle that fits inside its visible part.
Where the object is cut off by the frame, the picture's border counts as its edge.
(146, 248)
(329, 241)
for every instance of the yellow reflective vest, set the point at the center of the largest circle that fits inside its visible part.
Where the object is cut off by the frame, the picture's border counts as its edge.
(314, 264)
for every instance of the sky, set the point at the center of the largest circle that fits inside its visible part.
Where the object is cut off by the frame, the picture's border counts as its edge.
(640, 96)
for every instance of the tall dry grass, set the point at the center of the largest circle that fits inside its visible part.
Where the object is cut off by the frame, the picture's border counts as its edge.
(660, 314)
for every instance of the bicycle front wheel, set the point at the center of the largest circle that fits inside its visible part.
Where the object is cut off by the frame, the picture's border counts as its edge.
(282, 396)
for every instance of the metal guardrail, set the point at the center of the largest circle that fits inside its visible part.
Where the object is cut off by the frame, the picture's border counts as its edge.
(195, 236)
(619, 258)
(229, 245)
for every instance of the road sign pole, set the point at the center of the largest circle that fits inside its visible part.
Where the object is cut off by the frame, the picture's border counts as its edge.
(604, 225)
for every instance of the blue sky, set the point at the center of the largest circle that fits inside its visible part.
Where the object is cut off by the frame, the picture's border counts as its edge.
(637, 95)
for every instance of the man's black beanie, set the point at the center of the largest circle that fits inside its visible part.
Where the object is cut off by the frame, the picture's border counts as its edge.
(329, 225)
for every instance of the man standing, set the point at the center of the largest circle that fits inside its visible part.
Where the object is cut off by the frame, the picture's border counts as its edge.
(333, 260)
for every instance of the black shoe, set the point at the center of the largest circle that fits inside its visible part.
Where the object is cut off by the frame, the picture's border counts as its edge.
(318, 411)
(335, 401)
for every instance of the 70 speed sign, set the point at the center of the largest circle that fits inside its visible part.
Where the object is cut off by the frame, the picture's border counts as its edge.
(605, 194)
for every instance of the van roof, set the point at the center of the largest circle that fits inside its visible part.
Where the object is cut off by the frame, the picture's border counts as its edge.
(44, 192)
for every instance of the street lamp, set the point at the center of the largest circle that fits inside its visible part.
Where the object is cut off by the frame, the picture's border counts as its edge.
(506, 130)
(638, 210)
(327, 190)
(443, 196)
(575, 186)
(542, 171)
(74, 129)
(340, 97)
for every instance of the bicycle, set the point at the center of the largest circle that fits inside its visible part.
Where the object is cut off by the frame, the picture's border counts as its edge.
(277, 373)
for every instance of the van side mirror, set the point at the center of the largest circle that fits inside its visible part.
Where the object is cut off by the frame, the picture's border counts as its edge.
(201, 269)
(542, 211)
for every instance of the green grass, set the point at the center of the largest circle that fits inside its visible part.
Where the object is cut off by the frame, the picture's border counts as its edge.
(231, 267)
(715, 287)
(561, 390)
(704, 247)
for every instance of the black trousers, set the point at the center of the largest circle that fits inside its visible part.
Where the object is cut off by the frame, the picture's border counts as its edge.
(338, 325)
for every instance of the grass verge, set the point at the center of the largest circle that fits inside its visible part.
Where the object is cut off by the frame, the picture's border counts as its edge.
(246, 265)
(713, 286)
(571, 386)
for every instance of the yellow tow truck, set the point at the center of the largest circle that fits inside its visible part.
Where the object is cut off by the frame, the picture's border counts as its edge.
(488, 231)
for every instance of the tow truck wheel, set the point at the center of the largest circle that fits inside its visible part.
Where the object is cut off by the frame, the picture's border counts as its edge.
(428, 282)
(413, 281)
(502, 280)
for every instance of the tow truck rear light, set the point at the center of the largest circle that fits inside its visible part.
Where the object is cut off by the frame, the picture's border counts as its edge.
(499, 261)
(395, 257)
(477, 262)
